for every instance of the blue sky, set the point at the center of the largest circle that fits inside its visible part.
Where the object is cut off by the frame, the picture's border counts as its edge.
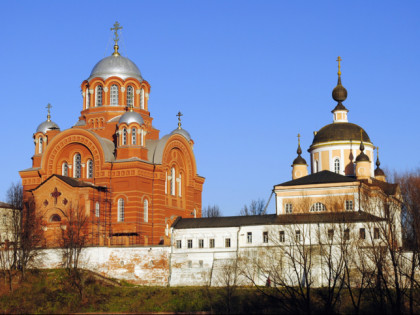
(248, 77)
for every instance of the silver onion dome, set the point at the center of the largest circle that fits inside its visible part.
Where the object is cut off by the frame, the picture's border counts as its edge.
(130, 117)
(47, 125)
(116, 65)
(182, 132)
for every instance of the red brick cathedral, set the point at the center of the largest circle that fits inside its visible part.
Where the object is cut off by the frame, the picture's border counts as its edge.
(112, 165)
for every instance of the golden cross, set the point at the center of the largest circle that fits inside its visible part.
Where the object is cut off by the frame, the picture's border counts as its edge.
(298, 138)
(48, 107)
(179, 119)
(339, 66)
(116, 28)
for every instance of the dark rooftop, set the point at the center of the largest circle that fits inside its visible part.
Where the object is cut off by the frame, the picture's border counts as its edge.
(274, 219)
(5, 205)
(71, 181)
(323, 177)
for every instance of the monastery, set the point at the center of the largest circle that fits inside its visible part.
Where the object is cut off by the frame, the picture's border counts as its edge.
(140, 189)
(112, 164)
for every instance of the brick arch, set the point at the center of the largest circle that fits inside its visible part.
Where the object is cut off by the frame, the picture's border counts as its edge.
(71, 136)
(180, 143)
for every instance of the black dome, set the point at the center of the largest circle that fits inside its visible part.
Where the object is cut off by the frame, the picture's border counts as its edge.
(340, 132)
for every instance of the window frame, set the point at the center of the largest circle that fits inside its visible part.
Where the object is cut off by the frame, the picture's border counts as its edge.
(212, 243)
(201, 243)
(178, 244)
(121, 210)
(249, 237)
(77, 165)
(130, 96)
(227, 242)
(190, 243)
(282, 237)
(99, 95)
(114, 95)
(288, 208)
(318, 207)
(265, 237)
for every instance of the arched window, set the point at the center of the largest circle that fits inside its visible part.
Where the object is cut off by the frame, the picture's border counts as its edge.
(134, 136)
(120, 210)
(114, 94)
(146, 210)
(40, 144)
(65, 169)
(87, 97)
(142, 99)
(173, 181)
(317, 207)
(89, 169)
(337, 166)
(77, 166)
(124, 137)
(130, 96)
(55, 218)
(98, 95)
(179, 185)
(97, 213)
(316, 166)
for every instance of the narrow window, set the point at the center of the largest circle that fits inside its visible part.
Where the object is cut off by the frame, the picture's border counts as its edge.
(77, 166)
(190, 244)
(346, 235)
(130, 96)
(227, 242)
(178, 244)
(173, 181)
(211, 243)
(362, 234)
(120, 210)
(265, 237)
(376, 233)
(180, 185)
(282, 238)
(316, 167)
(317, 207)
(65, 169)
(297, 236)
(201, 243)
(166, 182)
(146, 210)
(349, 205)
(40, 145)
(249, 237)
(289, 208)
(114, 95)
(337, 166)
(330, 234)
(89, 169)
(98, 95)
(97, 213)
(142, 99)
(134, 136)
(124, 137)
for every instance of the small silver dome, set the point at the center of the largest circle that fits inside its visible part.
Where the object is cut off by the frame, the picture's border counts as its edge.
(47, 125)
(182, 132)
(130, 117)
(115, 66)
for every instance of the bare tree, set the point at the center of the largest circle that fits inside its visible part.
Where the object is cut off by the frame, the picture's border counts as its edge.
(22, 232)
(227, 276)
(409, 184)
(211, 212)
(74, 238)
(255, 207)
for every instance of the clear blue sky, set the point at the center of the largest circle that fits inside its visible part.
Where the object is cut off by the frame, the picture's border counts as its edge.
(248, 76)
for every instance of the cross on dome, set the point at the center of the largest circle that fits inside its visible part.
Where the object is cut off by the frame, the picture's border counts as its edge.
(48, 107)
(116, 28)
(339, 66)
(179, 119)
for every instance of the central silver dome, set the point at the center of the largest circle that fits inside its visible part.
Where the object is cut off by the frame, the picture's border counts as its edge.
(115, 66)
